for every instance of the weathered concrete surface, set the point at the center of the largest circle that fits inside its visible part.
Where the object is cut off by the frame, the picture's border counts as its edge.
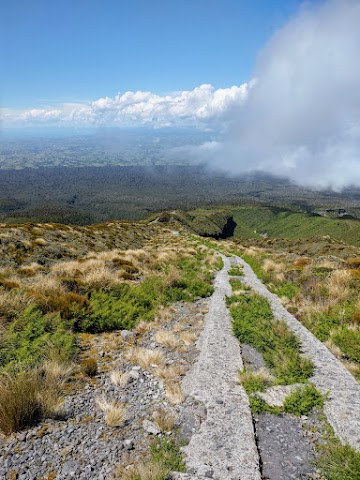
(342, 407)
(224, 448)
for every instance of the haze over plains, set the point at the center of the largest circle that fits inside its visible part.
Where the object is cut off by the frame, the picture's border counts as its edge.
(297, 115)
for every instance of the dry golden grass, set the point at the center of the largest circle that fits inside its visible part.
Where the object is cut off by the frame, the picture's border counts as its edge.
(302, 262)
(172, 278)
(12, 302)
(26, 395)
(144, 327)
(41, 242)
(44, 285)
(164, 420)
(166, 338)
(202, 248)
(340, 277)
(102, 277)
(145, 471)
(147, 358)
(334, 349)
(337, 286)
(163, 314)
(170, 373)
(115, 412)
(271, 266)
(188, 338)
(211, 260)
(326, 264)
(121, 379)
(174, 393)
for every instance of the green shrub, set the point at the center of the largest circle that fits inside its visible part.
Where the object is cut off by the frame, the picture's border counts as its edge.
(32, 336)
(236, 271)
(303, 400)
(348, 341)
(336, 461)
(167, 453)
(254, 381)
(258, 405)
(289, 290)
(254, 324)
(120, 308)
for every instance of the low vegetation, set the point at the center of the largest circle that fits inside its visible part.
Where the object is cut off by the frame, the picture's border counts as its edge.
(303, 400)
(254, 324)
(27, 395)
(45, 307)
(322, 291)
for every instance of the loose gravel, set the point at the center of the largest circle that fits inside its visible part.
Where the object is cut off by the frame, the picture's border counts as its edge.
(80, 445)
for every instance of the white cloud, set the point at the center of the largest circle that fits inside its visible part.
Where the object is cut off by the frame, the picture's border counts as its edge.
(202, 105)
(302, 118)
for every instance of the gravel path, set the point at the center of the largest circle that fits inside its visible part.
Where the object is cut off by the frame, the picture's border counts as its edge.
(224, 447)
(342, 407)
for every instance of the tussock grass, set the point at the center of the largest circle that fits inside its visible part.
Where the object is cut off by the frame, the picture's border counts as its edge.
(147, 358)
(164, 419)
(89, 366)
(11, 302)
(115, 412)
(27, 395)
(144, 327)
(121, 379)
(146, 471)
(188, 338)
(169, 373)
(271, 266)
(166, 338)
(174, 393)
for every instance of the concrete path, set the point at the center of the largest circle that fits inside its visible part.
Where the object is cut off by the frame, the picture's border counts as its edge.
(342, 408)
(224, 448)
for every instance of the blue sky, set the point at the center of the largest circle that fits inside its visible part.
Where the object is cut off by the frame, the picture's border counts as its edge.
(56, 51)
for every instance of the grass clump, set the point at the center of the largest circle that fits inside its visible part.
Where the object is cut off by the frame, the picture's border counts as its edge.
(27, 395)
(339, 462)
(146, 471)
(255, 381)
(236, 271)
(303, 400)
(258, 405)
(254, 324)
(167, 453)
(89, 366)
(336, 461)
(115, 412)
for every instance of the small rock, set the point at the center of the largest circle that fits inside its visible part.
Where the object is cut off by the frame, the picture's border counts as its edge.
(127, 336)
(70, 469)
(128, 444)
(150, 427)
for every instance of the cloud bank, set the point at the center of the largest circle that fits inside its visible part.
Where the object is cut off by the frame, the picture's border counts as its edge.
(203, 106)
(302, 118)
(298, 118)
